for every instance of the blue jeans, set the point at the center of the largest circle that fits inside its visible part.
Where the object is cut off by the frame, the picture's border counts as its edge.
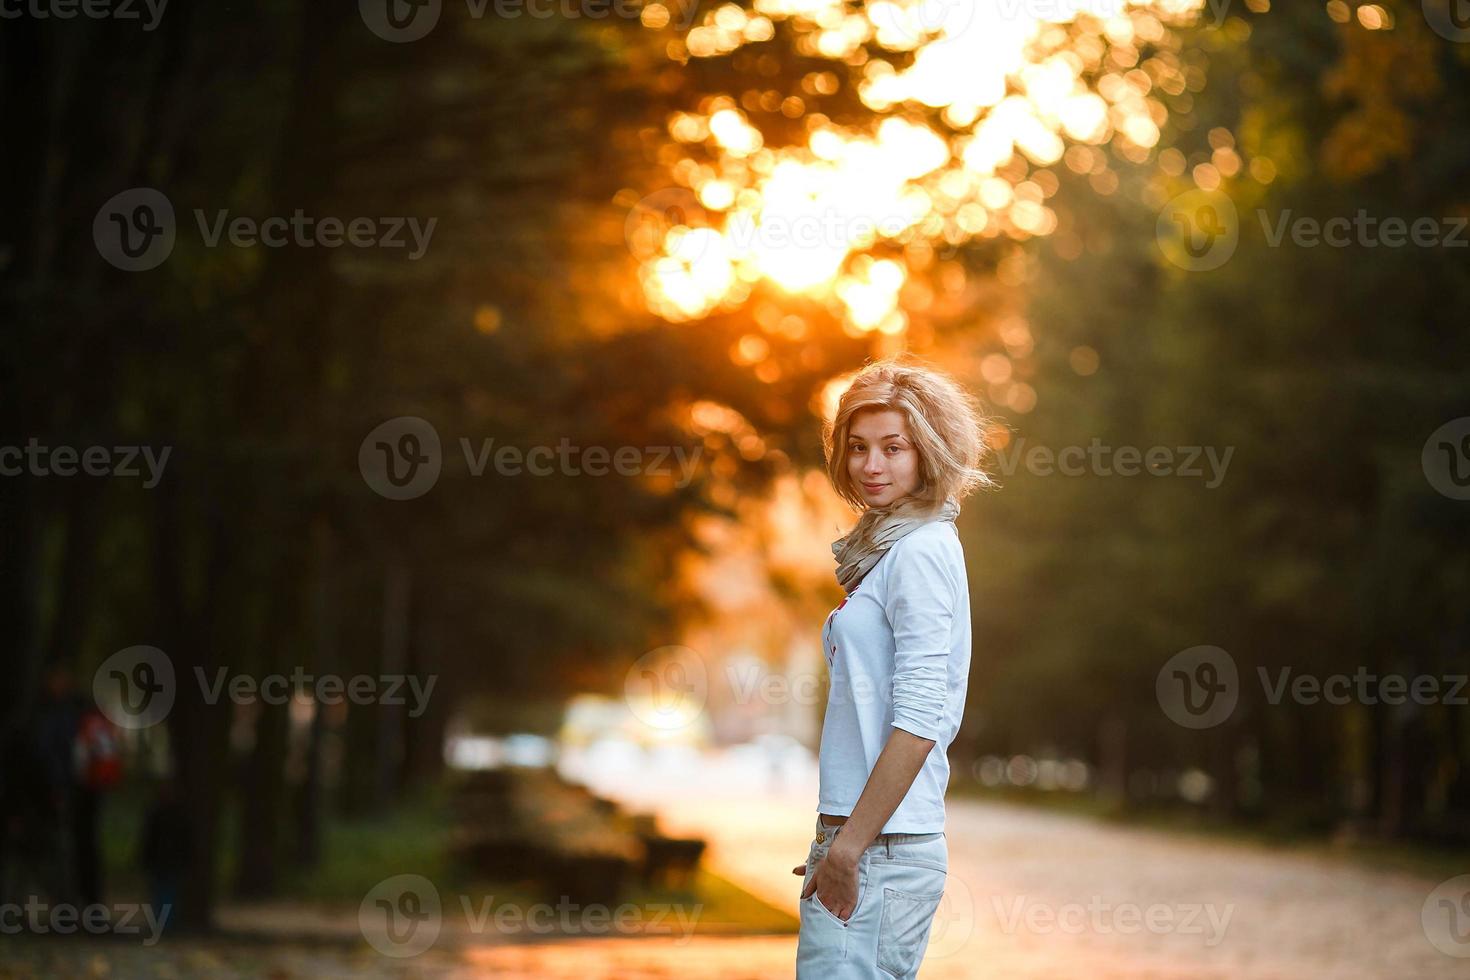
(900, 882)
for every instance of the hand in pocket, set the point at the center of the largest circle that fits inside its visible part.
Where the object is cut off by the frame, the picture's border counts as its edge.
(835, 887)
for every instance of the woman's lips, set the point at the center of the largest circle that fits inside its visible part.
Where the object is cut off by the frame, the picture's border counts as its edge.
(874, 486)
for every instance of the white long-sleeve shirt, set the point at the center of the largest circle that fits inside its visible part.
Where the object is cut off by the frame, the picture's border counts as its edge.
(898, 655)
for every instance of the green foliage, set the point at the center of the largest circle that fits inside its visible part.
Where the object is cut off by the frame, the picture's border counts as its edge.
(1325, 370)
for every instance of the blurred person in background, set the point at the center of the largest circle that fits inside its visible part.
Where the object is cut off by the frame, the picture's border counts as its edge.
(165, 848)
(77, 759)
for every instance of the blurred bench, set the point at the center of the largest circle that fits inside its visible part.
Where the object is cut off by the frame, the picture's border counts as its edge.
(528, 824)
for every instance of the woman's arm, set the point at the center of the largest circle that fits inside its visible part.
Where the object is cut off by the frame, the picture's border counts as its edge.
(835, 880)
(899, 762)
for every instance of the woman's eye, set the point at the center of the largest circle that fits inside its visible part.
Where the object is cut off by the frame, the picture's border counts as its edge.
(892, 450)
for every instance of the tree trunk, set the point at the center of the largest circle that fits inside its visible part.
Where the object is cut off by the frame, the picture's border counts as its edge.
(324, 633)
(1112, 740)
(193, 631)
(397, 587)
(264, 783)
(423, 736)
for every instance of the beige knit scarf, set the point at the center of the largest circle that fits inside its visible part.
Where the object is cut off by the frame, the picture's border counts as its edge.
(879, 529)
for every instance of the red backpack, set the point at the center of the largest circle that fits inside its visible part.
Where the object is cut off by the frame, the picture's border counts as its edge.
(97, 752)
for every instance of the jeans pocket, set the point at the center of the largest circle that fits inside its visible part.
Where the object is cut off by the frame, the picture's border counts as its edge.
(817, 903)
(904, 930)
(862, 887)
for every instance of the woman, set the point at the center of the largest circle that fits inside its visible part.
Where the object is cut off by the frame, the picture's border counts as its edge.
(904, 448)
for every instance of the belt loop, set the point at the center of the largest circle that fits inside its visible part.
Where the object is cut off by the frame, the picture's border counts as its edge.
(888, 844)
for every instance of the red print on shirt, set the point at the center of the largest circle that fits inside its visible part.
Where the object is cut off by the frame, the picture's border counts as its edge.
(831, 653)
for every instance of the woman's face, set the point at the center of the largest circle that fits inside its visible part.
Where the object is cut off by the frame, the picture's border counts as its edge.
(881, 460)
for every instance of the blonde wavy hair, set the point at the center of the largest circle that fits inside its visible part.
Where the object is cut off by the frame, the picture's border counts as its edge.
(945, 425)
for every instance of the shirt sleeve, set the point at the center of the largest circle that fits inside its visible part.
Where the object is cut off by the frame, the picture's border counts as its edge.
(921, 601)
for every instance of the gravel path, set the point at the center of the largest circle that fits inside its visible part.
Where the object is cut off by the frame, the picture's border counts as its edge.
(1031, 894)
(1035, 894)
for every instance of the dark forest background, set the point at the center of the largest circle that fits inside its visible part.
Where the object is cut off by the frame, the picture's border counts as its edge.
(262, 549)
